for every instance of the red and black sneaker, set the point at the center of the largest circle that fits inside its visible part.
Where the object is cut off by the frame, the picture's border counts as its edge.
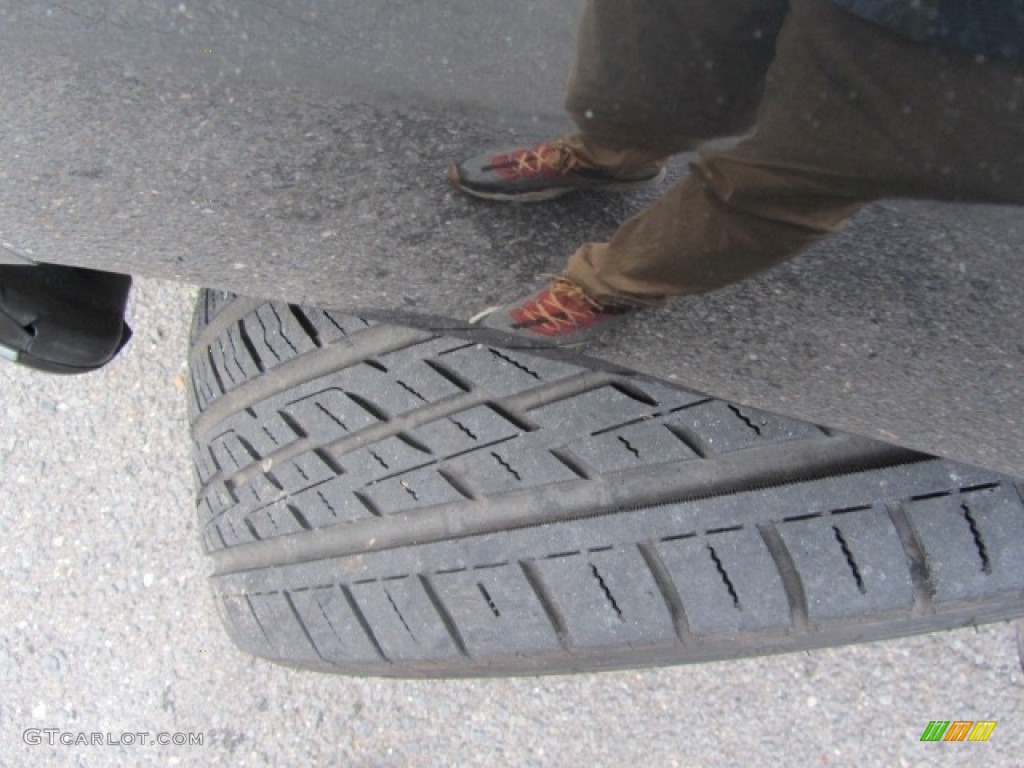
(561, 314)
(541, 172)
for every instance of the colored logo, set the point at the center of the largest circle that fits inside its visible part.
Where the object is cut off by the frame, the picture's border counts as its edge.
(958, 730)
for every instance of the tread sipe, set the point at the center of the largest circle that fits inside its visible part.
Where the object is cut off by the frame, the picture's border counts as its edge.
(383, 500)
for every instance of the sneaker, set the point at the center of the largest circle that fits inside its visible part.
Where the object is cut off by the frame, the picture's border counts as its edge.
(560, 314)
(541, 172)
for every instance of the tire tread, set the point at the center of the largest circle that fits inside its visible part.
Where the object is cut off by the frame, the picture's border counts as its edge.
(390, 501)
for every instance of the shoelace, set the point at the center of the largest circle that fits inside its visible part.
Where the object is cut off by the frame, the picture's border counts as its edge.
(553, 158)
(563, 304)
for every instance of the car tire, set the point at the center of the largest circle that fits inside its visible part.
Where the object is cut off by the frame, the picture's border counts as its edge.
(390, 501)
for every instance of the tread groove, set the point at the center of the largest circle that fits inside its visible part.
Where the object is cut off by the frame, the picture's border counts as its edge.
(306, 324)
(572, 463)
(338, 326)
(302, 625)
(515, 363)
(791, 581)
(280, 327)
(634, 392)
(271, 478)
(445, 616)
(299, 517)
(252, 529)
(266, 338)
(417, 445)
(506, 466)
(327, 412)
(329, 461)
(465, 430)
(725, 577)
(367, 502)
(848, 510)
(292, 424)
(220, 535)
(607, 591)
(449, 374)
(979, 487)
(460, 485)
(196, 389)
(669, 592)
(629, 446)
(398, 613)
(724, 529)
(518, 420)
(979, 542)
(214, 369)
(234, 357)
(547, 601)
(488, 599)
(256, 618)
(742, 416)
(849, 559)
(679, 537)
(361, 620)
(327, 503)
(243, 334)
(917, 561)
(412, 391)
(689, 440)
(248, 447)
(370, 407)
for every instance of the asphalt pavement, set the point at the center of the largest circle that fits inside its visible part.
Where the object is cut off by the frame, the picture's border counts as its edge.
(108, 634)
(295, 149)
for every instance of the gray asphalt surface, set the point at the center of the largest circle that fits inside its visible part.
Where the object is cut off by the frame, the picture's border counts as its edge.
(295, 149)
(107, 627)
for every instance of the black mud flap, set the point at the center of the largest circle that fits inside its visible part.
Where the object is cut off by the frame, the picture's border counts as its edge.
(62, 319)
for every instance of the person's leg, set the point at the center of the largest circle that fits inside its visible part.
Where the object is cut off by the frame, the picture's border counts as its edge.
(852, 114)
(652, 78)
(662, 76)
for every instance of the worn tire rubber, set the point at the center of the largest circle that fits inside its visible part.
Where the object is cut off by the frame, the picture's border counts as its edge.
(383, 500)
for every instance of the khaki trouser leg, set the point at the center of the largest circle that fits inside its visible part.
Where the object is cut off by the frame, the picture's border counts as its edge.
(851, 114)
(665, 75)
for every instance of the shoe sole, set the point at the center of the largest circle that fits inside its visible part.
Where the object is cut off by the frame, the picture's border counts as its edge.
(479, 316)
(543, 195)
